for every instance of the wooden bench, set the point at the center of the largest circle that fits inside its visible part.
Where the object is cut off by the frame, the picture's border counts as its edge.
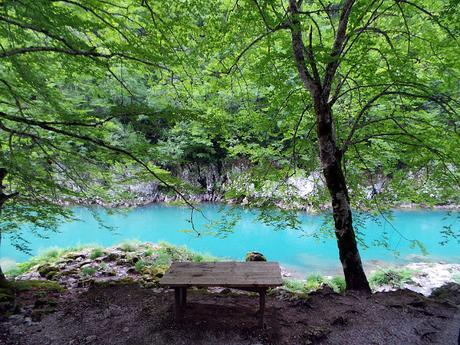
(256, 276)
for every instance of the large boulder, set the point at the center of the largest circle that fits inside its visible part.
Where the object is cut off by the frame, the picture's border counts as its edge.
(255, 256)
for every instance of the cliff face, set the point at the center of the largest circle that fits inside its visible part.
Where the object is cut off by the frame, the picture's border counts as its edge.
(208, 183)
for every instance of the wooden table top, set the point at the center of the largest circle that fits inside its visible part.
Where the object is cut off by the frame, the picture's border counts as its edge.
(224, 274)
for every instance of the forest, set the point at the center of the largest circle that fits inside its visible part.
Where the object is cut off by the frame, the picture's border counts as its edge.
(337, 113)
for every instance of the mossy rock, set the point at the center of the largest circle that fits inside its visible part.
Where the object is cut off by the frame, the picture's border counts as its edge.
(52, 275)
(255, 256)
(74, 256)
(158, 271)
(111, 257)
(40, 285)
(46, 269)
(6, 295)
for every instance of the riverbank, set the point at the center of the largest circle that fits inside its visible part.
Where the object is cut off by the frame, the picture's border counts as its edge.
(97, 295)
(145, 263)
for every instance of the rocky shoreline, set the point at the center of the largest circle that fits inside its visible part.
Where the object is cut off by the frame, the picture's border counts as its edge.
(145, 264)
(97, 295)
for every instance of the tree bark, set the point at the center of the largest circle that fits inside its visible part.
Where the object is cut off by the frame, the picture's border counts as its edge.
(331, 162)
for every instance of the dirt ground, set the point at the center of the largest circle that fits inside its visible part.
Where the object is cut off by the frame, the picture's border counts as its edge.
(129, 314)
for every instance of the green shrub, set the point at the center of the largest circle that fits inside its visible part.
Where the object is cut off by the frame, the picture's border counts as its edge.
(337, 284)
(96, 253)
(140, 265)
(198, 257)
(314, 282)
(148, 252)
(51, 254)
(294, 285)
(391, 276)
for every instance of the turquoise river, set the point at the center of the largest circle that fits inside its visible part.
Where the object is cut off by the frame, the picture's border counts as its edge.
(296, 250)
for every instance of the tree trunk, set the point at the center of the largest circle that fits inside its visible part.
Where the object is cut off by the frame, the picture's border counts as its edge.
(3, 198)
(331, 162)
(3, 280)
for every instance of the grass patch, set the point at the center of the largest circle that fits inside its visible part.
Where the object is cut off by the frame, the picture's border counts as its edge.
(151, 257)
(391, 276)
(50, 256)
(338, 284)
(88, 271)
(314, 282)
(294, 285)
(148, 252)
(129, 246)
(96, 253)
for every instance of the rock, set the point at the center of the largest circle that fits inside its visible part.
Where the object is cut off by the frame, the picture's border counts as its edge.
(27, 321)
(149, 285)
(147, 278)
(255, 256)
(90, 339)
(53, 275)
(74, 256)
(134, 259)
(45, 269)
(71, 272)
(313, 334)
(449, 292)
(111, 273)
(111, 257)
(86, 262)
(226, 291)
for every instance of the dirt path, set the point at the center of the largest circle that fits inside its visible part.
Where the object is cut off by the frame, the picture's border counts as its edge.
(128, 314)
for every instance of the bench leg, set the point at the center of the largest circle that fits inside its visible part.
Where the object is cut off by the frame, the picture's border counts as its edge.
(177, 303)
(262, 293)
(184, 298)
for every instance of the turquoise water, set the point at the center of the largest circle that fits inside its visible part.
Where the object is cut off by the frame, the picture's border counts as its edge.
(297, 250)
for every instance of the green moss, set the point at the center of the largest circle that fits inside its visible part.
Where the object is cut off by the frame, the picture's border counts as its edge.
(39, 285)
(391, 276)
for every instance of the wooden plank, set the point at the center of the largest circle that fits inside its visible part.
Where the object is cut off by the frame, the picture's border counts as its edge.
(225, 274)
